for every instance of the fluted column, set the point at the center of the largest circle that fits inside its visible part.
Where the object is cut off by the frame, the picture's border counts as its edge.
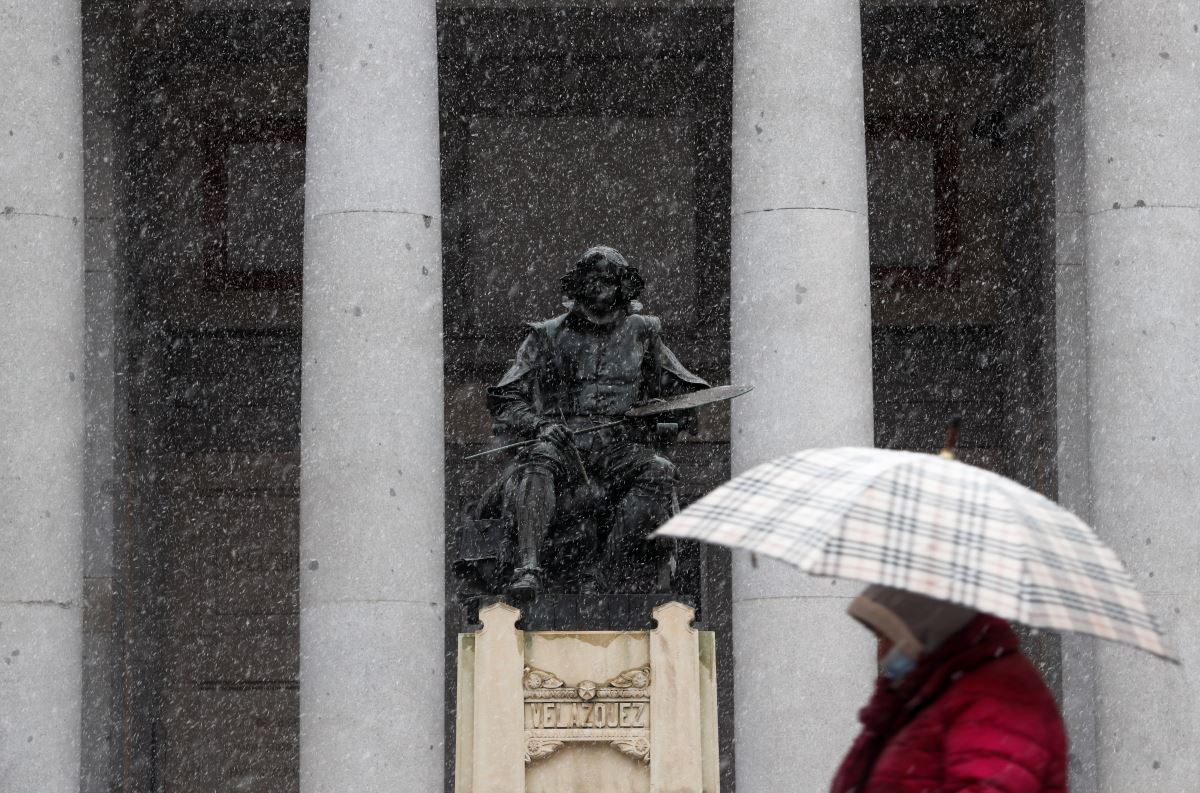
(801, 333)
(41, 394)
(371, 522)
(1142, 113)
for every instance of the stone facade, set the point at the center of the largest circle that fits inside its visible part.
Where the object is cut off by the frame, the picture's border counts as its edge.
(243, 235)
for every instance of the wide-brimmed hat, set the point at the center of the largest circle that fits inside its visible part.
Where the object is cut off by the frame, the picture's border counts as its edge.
(631, 279)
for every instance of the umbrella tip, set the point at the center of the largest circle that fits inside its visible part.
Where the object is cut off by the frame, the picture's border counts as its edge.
(950, 449)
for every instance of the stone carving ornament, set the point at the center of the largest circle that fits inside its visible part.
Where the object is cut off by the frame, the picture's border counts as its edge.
(536, 678)
(637, 748)
(616, 712)
(634, 678)
(538, 748)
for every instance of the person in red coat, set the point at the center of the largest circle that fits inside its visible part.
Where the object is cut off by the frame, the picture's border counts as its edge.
(958, 708)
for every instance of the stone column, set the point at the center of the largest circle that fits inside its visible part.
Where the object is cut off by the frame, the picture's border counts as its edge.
(371, 520)
(801, 334)
(1142, 113)
(41, 394)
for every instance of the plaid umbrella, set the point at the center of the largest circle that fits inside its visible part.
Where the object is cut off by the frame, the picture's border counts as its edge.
(932, 526)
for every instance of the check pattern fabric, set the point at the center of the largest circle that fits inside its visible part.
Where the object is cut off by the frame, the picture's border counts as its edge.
(933, 526)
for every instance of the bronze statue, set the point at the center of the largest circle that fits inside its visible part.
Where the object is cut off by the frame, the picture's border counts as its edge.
(571, 384)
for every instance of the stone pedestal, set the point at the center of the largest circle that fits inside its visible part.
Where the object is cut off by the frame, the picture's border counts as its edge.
(602, 711)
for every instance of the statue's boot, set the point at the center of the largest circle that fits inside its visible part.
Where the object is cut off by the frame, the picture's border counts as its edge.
(526, 584)
(533, 510)
(589, 582)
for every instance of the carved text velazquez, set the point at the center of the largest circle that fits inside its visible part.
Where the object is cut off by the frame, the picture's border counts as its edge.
(616, 712)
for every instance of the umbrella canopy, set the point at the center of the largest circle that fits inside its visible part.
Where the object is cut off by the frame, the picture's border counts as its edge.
(932, 526)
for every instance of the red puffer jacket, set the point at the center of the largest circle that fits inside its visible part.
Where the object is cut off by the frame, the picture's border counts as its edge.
(973, 717)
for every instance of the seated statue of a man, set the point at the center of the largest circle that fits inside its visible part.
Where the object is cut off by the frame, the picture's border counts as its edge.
(574, 372)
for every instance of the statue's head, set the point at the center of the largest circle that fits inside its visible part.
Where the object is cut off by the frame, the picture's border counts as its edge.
(602, 280)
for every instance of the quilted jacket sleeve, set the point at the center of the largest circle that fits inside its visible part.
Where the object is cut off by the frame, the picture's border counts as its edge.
(996, 747)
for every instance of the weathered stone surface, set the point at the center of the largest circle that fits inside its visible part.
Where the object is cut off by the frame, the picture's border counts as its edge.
(41, 394)
(677, 753)
(1143, 241)
(605, 711)
(498, 753)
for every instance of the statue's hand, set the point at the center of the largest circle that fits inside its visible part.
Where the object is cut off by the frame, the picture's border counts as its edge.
(557, 434)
